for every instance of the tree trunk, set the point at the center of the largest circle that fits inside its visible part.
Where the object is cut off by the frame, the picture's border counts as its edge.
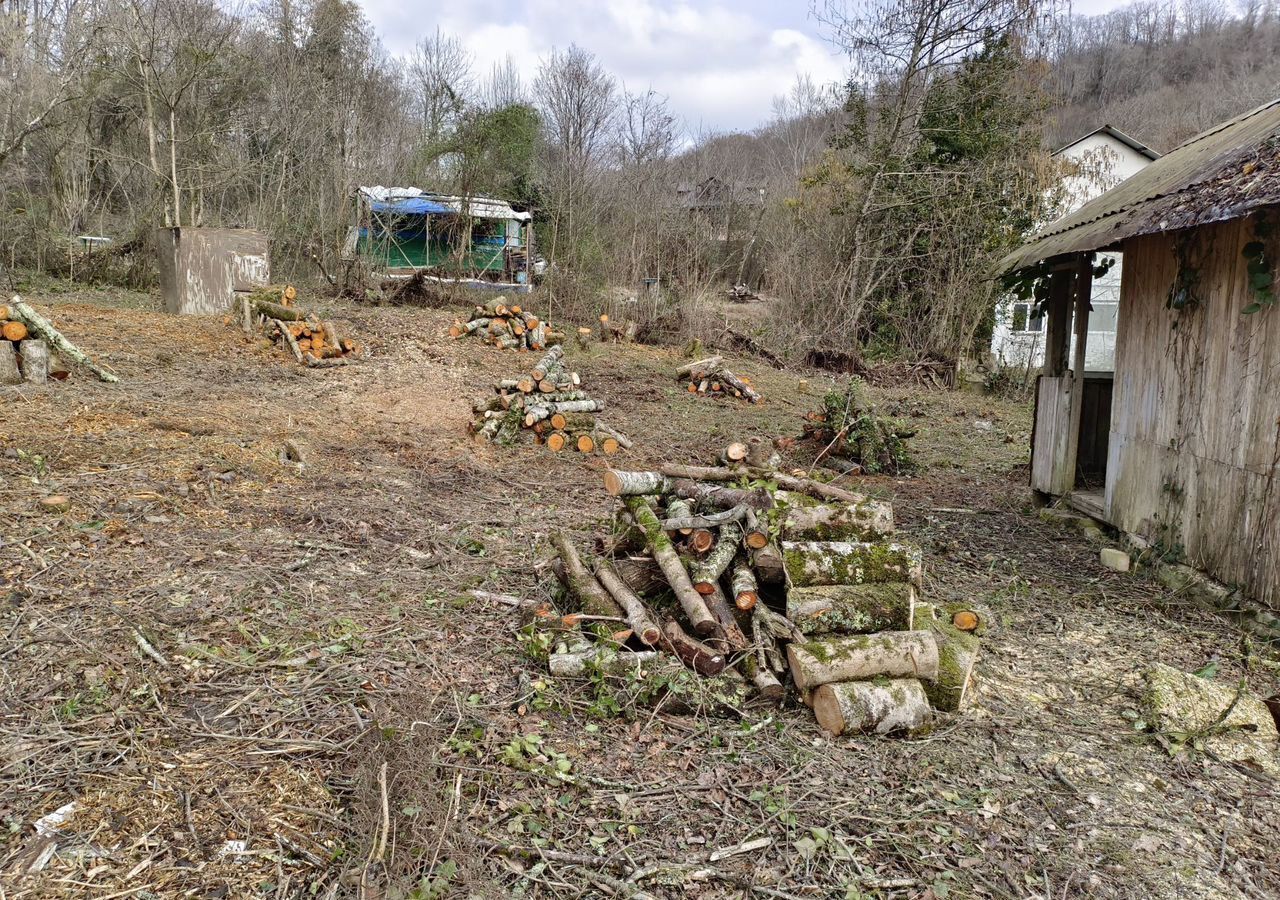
(642, 574)
(43, 329)
(852, 608)
(276, 311)
(9, 373)
(613, 662)
(638, 616)
(706, 572)
(729, 631)
(788, 482)
(804, 518)
(703, 366)
(289, 339)
(891, 654)
(692, 652)
(746, 592)
(812, 563)
(769, 565)
(695, 608)
(594, 599)
(872, 706)
(35, 361)
(952, 689)
(635, 484)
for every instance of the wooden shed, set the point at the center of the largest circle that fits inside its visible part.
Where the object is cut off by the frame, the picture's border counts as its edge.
(1181, 447)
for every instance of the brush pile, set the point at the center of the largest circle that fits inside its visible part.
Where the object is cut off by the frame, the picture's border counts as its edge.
(273, 311)
(509, 327)
(546, 406)
(756, 578)
(710, 376)
(855, 436)
(31, 349)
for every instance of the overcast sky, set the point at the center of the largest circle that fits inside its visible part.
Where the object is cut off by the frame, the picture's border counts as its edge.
(720, 62)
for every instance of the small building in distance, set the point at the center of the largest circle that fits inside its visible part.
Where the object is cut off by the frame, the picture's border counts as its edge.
(1181, 449)
(1096, 163)
(475, 241)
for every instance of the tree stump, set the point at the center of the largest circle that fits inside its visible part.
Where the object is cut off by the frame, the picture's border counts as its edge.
(35, 361)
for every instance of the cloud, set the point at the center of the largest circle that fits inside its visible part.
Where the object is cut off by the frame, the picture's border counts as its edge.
(720, 64)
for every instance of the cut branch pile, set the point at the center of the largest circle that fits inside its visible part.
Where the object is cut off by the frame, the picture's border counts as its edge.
(758, 577)
(31, 348)
(508, 327)
(851, 430)
(710, 376)
(547, 406)
(314, 343)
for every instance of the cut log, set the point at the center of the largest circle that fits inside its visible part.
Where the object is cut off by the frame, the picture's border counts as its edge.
(1222, 716)
(719, 496)
(702, 366)
(735, 452)
(769, 564)
(610, 446)
(766, 683)
(812, 563)
(804, 518)
(951, 690)
(740, 385)
(583, 337)
(852, 608)
(573, 663)
(635, 484)
(707, 571)
(9, 373)
(623, 441)
(585, 444)
(889, 654)
(14, 331)
(685, 522)
(701, 540)
(677, 510)
(287, 335)
(41, 328)
(695, 608)
(556, 441)
(35, 361)
(787, 482)
(692, 652)
(872, 707)
(277, 311)
(642, 574)
(633, 607)
(730, 634)
(746, 592)
(594, 599)
(755, 533)
(973, 618)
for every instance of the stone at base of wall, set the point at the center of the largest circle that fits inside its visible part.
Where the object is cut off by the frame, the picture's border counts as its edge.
(1116, 560)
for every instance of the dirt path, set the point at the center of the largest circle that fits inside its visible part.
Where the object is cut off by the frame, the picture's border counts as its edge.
(329, 709)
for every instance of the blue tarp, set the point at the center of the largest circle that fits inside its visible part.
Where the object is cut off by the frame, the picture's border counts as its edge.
(412, 206)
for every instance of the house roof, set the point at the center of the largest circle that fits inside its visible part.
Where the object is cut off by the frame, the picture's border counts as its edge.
(1223, 173)
(1116, 133)
(415, 201)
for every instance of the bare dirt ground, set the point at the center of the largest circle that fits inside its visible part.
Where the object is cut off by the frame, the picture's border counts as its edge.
(238, 678)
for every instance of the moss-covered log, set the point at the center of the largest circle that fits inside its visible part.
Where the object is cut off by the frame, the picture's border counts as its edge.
(889, 654)
(811, 563)
(746, 591)
(952, 689)
(638, 617)
(1221, 715)
(594, 599)
(802, 517)
(695, 608)
(573, 663)
(852, 608)
(706, 573)
(877, 707)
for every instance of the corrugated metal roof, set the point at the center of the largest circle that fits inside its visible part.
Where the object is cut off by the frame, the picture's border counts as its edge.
(402, 199)
(1223, 173)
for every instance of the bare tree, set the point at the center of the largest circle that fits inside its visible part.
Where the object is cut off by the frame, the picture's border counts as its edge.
(439, 71)
(504, 86)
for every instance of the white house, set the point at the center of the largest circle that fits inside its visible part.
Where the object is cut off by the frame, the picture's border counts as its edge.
(1098, 162)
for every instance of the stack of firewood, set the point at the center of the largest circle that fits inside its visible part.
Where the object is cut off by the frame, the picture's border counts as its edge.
(756, 577)
(273, 311)
(31, 349)
(546, 406)
(710, 376)
(507, 326)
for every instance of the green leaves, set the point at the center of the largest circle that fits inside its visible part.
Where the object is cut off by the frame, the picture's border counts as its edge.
(1260, 277)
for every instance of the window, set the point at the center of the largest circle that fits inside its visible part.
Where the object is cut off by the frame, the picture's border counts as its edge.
(1026, 318)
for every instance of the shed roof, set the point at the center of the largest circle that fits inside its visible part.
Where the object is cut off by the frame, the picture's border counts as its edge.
(1223, 173)
(415, 201)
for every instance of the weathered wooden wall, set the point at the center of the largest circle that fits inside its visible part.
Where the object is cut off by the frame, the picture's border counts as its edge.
(1195, 427)
(201, 269)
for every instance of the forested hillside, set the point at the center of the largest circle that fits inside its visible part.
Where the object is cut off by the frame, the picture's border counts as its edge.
(1163, 72)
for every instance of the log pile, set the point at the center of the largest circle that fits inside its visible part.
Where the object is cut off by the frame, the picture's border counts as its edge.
(711, 377)
(546, 406)
(757, 578)
(507, 326)
(31, 349)
(273, 311)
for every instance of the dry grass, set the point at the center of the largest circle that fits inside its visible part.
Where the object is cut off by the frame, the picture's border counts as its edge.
(336, 714)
